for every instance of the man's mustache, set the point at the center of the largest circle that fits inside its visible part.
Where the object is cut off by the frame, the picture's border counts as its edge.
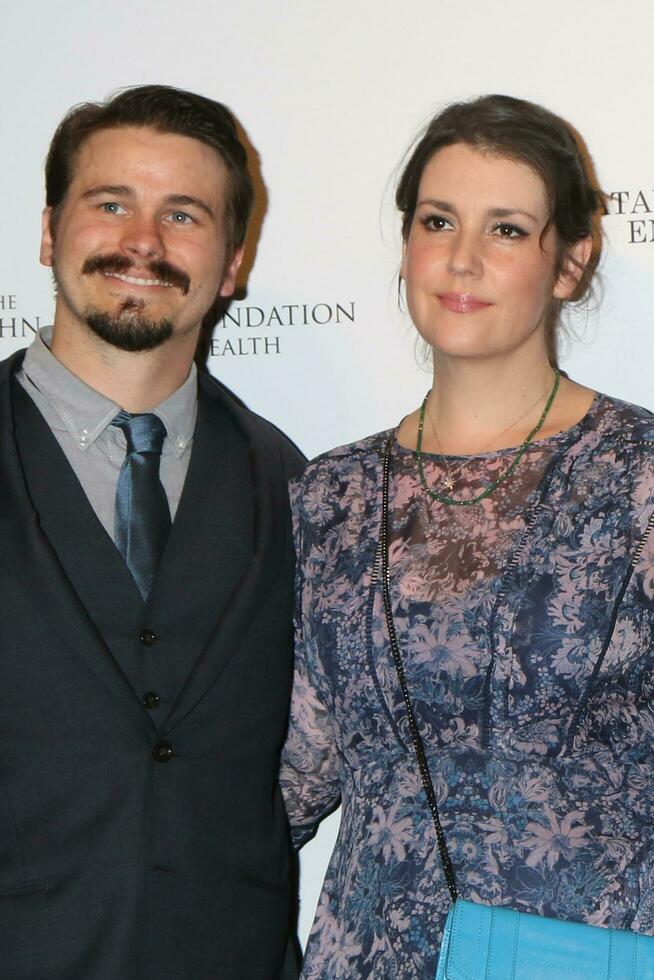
(121, 264)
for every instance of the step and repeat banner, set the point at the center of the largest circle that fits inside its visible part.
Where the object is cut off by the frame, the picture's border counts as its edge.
(329, 95)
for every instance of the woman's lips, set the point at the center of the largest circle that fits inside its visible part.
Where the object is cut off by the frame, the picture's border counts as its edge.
(462, 302)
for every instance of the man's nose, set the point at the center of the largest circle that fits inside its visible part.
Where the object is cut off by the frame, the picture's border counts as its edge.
(142, 238)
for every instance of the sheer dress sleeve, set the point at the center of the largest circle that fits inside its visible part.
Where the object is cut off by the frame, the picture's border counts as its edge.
(310, 772)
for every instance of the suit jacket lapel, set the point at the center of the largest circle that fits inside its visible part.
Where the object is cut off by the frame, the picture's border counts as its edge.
(27, 555)
(210, 541)
(227, 542)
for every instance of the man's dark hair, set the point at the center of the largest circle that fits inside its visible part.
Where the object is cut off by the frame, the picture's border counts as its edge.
(167, 110)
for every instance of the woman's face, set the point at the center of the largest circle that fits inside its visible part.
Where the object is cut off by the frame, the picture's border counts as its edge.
(479, 273)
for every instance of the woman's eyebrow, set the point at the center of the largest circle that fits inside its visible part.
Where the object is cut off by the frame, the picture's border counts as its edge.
(435, 203)
(493, 212)
(507, 212)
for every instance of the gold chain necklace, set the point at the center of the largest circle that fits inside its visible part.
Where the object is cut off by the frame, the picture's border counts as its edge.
(452, 475)
(452, 501)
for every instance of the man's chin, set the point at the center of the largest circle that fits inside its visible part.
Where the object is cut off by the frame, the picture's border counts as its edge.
(129, 332)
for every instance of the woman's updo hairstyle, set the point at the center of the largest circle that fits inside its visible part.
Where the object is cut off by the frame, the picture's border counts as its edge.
(523, 131)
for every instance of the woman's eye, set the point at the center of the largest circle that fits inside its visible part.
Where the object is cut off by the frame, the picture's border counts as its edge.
(435, 222)
(504, 230)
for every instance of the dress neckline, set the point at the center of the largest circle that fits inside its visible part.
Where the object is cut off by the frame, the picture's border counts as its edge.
(570, 434)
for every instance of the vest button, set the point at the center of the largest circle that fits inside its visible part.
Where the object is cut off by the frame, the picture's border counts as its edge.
(162, 751)
(151, 700)
(147, 637)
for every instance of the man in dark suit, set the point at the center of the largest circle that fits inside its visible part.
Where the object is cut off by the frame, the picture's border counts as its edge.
(145, 578)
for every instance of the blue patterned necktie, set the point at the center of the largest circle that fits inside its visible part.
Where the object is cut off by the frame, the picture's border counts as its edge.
(142, 512)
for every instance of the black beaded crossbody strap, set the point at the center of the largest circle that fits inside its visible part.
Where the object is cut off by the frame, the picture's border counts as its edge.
(416, 738)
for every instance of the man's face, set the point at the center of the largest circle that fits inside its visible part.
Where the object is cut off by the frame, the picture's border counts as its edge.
(138, 248)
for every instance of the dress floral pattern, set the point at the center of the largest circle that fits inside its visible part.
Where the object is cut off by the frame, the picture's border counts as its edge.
(527, 629)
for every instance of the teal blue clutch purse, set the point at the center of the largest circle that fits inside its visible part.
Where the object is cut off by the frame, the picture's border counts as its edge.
(482, 942)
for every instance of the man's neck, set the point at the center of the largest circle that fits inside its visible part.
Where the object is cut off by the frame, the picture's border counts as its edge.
(135, 380)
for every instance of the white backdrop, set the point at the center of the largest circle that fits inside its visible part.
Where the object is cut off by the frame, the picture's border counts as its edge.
(330, 94)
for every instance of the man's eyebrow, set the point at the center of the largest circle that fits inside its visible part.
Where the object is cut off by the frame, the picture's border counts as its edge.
(494, 212)
(184, 200)
(115, 190)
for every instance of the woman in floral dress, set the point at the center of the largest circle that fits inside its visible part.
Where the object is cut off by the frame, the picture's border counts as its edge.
(520, 574)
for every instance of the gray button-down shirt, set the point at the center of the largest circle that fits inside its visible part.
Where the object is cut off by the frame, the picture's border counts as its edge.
(80, 419)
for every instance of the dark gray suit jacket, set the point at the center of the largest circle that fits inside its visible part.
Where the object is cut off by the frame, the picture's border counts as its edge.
(114, 865)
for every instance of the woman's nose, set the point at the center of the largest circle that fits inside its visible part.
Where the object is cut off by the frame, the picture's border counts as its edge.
(465, 255)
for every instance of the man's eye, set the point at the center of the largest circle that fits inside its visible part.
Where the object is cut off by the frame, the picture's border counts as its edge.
(181, 218)
(112, 207)
(505, 230)
(435, 222)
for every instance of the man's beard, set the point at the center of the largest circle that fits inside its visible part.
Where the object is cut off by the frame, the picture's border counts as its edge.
(129, 329)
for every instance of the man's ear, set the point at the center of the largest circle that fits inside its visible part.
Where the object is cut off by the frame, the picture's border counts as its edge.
(575, 260)
(47, 238)
(228, 284)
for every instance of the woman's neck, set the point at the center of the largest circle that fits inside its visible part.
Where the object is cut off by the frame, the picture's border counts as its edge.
(476, 407)
(472, 408)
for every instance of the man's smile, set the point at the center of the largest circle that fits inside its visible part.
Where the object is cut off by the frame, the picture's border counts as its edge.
(135, 280)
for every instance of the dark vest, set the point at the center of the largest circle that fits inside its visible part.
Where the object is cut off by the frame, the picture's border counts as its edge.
(157, 642)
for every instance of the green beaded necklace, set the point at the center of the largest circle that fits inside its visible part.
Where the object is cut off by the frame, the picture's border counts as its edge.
(452, 501)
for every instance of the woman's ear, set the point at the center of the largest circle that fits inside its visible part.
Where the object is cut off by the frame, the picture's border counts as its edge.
(403, 262)
(575, 260)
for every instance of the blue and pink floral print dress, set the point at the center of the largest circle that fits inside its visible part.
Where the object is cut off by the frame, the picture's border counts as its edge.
(526, 624)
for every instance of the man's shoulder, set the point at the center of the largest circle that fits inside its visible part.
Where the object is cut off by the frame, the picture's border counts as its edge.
(263, 435)
(8, 365)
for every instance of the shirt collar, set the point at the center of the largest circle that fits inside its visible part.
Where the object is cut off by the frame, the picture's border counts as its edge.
(178, 413)
(85, 413)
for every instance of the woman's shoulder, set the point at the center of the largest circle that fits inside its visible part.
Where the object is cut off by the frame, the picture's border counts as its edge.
(613, 447)
(333, 481)
(346, 459)
(619, 422)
